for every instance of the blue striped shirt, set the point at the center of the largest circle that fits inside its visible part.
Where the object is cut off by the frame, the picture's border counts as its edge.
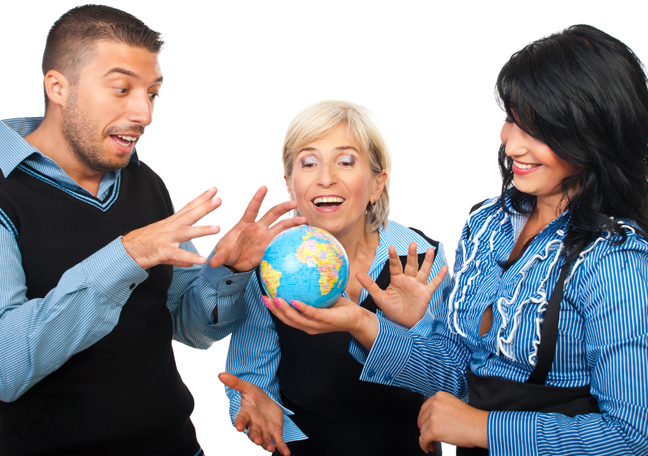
(37, 336)
(602, 335)
(255, 351)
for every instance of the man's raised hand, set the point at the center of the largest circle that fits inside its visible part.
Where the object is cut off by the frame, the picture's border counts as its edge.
(242, 247)
(159, 243)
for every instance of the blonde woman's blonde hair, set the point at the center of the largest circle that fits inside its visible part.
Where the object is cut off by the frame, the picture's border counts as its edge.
(320, 119)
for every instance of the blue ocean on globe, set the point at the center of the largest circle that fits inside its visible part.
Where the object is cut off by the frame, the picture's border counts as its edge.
(305, 264)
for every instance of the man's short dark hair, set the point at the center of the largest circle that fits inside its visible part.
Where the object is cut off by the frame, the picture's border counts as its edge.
(74, 35)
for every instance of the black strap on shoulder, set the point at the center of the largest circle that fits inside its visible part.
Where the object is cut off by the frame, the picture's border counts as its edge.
(431, 241)
(473, 209)
(257, 271)
(549, 331)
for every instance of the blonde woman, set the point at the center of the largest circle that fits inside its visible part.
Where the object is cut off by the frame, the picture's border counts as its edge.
(336, 166)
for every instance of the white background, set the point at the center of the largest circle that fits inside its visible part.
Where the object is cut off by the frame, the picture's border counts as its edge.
(236, 73)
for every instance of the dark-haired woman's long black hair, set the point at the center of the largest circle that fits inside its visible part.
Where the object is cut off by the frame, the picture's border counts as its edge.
(584, 94)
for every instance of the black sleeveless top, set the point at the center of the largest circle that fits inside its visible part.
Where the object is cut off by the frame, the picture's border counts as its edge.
(123, 395)
(341, 415)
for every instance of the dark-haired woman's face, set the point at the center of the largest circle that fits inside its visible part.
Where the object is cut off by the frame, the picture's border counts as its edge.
(538, 170)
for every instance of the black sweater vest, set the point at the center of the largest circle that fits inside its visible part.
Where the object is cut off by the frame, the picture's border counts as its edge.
(340, 414)
(123, 395)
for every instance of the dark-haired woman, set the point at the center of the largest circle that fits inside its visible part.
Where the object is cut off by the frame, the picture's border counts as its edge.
(546, 326)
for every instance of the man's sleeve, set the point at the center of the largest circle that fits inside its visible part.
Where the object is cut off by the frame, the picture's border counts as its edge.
(206, 303)
(37, 336)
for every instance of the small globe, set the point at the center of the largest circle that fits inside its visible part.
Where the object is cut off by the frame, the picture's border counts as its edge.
(305, 264)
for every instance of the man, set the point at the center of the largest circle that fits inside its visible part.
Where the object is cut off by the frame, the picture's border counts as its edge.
(98, 273)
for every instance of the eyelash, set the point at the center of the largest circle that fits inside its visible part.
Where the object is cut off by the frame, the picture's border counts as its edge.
(347, 160)
(123, 91)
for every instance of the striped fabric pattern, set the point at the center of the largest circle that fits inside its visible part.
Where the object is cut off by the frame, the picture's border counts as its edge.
(602, 335)
(37, 336)
(255, 351)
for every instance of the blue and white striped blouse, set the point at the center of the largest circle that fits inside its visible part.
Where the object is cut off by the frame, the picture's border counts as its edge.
(602, 335)
(255, 352)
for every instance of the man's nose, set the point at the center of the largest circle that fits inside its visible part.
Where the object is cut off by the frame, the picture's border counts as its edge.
(141, 109)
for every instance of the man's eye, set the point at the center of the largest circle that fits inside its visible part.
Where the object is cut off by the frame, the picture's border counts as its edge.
(153, 96)
(120, 90)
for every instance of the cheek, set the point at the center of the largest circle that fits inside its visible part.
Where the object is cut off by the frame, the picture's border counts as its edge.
(505, 133)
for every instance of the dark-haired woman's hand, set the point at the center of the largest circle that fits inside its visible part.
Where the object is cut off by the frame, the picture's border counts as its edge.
(344, 316)
(447, 419)
(407, 298)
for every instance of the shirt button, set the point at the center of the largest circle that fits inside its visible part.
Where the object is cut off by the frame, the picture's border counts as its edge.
(228, 282)
(370, 374)
(388, 378)
(132, 286)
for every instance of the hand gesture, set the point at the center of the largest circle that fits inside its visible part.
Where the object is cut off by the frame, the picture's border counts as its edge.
(258, 414)
(408, 295)
(242, 247)
(345, 316)
(445, 418)
(159, 243)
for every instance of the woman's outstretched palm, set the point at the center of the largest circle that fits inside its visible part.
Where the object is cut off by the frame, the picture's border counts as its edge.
(408, 295)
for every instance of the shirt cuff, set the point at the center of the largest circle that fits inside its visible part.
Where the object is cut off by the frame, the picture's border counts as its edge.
(389, 353)
(229, 284)
(424, 327)
(113, 272)
(358, 351)
(512, 433)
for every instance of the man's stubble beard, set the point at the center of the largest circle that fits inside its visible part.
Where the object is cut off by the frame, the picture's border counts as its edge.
(81, 135)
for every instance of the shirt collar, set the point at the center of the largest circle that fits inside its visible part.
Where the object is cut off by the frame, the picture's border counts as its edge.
(14, 147)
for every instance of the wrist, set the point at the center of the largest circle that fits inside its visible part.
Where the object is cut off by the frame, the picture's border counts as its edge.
(366, 328)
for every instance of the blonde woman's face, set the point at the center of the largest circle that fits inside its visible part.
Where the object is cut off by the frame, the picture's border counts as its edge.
(332, 183)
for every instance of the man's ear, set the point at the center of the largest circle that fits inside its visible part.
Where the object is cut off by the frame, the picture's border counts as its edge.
(57, 87)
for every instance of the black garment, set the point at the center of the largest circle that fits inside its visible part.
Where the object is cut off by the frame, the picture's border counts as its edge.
(123, 395)
(340, 414)
(496, 394)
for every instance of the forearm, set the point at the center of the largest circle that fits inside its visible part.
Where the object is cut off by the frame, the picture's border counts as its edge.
(531, 433)
(37, 336)
(404, 359)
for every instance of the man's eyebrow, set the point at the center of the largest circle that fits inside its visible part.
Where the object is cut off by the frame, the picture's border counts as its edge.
(128, 73)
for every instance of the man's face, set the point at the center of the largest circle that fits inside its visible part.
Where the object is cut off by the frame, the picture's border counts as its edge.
(110, 105)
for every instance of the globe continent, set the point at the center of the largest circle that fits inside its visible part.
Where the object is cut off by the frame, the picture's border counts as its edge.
(305, 264)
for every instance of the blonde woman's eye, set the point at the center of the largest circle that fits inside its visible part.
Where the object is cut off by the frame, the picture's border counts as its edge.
(308, 162)
(347, 160)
